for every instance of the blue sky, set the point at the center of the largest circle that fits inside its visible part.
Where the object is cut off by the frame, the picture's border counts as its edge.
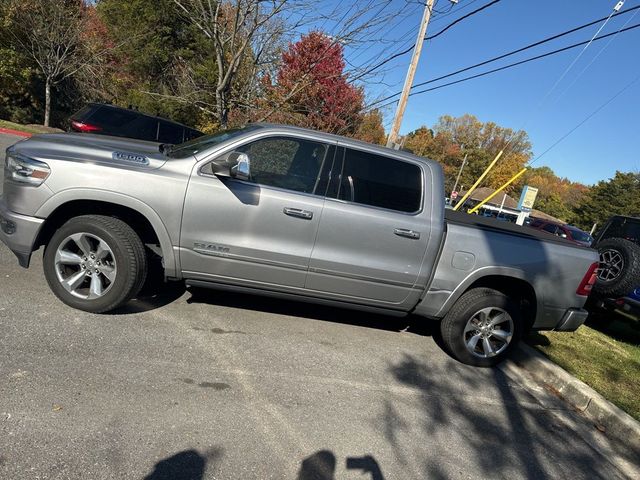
(606, 143)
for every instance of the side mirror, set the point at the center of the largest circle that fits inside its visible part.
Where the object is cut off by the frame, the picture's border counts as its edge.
(240, 165)
(234, 165)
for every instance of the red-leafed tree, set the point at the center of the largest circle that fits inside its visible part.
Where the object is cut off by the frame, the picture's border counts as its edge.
(312, 90)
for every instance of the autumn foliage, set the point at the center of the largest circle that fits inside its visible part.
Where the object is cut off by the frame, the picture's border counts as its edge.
(311, 88)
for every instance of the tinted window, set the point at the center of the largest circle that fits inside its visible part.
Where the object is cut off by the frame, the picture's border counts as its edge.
(536, 223)
(379, 181)
(579, 235)
(632, 231)
(83, 113)
(125, 123)
(286, 162)
(112, 118)
(142, 127)
(549, 227)
(189, 134)
(170, 133)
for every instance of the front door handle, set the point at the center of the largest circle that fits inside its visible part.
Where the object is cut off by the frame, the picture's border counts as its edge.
(297, 212)
(403, 232)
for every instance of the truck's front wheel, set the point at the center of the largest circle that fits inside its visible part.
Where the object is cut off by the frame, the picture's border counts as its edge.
(482, 327)
(95, 263)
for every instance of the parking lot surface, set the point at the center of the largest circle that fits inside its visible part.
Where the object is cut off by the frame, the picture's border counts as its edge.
(200, 384)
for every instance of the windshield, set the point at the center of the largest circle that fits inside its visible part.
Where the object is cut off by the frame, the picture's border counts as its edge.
(580, 236)
(197, 145)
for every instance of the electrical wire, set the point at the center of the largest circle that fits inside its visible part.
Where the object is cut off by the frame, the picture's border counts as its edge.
(477, 10)
(595, 57)
(505, 67)
(587, 118)
(575, 60)
(509, 54)
(411, 47)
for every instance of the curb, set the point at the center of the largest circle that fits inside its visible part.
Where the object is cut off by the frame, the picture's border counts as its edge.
(9, 131)
(605, 415)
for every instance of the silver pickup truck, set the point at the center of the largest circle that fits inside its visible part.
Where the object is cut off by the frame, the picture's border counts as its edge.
(290, 213)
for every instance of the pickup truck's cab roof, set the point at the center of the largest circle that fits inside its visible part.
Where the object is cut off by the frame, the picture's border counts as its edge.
(330, 137)
(183, 150)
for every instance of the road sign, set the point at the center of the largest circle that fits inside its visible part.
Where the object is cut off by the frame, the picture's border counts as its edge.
(527, 198)
(454, 195)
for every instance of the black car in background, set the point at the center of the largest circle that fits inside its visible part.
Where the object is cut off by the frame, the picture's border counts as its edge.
(122, 122)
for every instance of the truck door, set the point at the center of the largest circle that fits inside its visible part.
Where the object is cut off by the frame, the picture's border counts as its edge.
(374, 230)
(257, 232)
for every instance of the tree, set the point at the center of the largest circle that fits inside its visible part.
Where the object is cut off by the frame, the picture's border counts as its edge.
(619, 195)
(312, 90)
(238, 31)
(50, 32)
(556, 196)
(155, 47)
(371, 129)
(453, 138)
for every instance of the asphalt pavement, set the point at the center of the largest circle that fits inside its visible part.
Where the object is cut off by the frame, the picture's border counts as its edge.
(200, 384)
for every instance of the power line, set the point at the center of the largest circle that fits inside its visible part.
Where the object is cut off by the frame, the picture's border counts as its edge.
(482, 74)
(587, 118)
(596, 56)
(477, 10)
(410, 48)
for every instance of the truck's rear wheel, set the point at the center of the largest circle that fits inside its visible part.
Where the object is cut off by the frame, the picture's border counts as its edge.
(482, 327)
(95, 263)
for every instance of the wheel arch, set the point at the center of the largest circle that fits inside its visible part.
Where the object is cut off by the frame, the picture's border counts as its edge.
(142, 218)
(512, 282)
(515, 288)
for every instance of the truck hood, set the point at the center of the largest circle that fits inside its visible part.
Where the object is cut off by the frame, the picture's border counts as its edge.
(88, 148)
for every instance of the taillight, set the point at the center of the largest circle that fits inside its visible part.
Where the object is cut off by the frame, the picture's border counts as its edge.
(84, 127)
(588, 281)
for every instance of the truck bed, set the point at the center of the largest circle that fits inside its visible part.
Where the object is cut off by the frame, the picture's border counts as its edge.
(461, 218)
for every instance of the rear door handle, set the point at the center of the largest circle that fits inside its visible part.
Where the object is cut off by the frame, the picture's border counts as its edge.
(297, 212)
(403, 232)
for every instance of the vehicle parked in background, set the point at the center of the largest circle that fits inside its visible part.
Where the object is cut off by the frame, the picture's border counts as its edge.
(618, 284)
(290, 213)
(105, 119)
(571, 233)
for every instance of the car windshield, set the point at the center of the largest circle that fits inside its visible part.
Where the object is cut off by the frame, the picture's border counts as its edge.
(580, 236)
(200, 144)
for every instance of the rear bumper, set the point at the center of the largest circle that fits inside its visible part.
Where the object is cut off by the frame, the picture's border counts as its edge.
(572, 319)
(18, 232)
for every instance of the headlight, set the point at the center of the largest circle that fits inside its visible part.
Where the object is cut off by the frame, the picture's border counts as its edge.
(19, 168)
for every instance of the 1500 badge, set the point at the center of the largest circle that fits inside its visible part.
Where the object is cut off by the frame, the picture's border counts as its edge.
(210, 248)
(130, 157)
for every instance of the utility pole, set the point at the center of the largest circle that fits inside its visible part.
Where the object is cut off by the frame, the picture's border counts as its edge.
(464, 161)
(408, 81)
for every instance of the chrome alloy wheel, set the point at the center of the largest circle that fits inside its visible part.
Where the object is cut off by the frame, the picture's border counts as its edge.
(488, 332)
(85, 266)
(611, 265)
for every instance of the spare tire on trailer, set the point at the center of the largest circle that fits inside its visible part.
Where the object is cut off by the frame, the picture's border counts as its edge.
(619, 269)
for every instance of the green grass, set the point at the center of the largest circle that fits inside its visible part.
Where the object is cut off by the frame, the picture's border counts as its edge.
(26, 128)
(604, 354)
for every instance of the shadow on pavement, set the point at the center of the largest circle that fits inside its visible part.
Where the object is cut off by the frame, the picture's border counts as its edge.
(516, 437)
(185, 465)
(322, 466)
(151, 297)
(319, 466)
(414, 324)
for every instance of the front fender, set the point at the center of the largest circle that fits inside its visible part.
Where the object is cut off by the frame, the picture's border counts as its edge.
(171, 262)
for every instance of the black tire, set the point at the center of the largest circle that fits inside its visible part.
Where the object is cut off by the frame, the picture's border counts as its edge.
(615, 280)
(465, 311)
(128, 254)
